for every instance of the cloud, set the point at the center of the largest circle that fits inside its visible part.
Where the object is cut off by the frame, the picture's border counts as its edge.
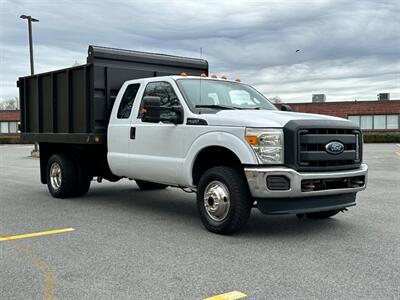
(349, 49)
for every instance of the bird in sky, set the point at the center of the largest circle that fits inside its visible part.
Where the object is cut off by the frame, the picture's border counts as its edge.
(298, 50)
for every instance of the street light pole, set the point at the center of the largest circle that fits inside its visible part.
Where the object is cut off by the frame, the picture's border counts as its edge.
(30, 20)
(31, 45)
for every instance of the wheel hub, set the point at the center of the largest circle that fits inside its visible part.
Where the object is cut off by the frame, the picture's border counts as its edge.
(55, 175)
(216, 200)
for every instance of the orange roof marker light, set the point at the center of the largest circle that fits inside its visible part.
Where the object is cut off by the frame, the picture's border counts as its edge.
(183, 74)
(203, 75)
(224, 77)
(214, 76)
(237, 79)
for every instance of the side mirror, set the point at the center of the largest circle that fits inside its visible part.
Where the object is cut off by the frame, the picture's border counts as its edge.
(153, 112)
(285, 107)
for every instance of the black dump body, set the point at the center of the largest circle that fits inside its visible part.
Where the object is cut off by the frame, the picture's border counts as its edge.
(73, 105)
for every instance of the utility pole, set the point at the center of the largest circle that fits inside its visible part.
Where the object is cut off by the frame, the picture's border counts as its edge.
(30, 19)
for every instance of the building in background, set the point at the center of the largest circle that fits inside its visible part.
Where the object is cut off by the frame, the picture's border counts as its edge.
(9, 120)
(372, 116)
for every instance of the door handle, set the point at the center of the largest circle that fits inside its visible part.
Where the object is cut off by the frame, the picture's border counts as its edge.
(133, 133)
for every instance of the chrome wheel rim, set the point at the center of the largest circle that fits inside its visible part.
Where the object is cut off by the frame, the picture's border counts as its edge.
(216, 200)
(55, 175)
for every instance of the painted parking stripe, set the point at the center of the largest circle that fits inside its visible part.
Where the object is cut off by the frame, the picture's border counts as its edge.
(28, 235)
(228, 296)
(398, 153)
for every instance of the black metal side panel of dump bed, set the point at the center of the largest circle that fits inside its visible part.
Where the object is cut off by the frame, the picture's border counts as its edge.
(55, 106)
(73, 105)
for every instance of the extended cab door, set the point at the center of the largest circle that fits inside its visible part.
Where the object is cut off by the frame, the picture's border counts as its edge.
(156, 151)
(119, 130)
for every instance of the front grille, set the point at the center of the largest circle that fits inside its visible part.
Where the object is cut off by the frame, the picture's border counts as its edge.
(312, 153)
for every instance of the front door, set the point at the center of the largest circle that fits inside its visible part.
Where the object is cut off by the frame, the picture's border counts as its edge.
(156, 151)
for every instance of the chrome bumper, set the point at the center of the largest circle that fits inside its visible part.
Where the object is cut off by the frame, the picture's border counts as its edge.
(257, 178)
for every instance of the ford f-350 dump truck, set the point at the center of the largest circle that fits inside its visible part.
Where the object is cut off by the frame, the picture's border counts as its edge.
(128, 114)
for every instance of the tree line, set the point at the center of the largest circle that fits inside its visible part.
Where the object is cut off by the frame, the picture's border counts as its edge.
(9, 104)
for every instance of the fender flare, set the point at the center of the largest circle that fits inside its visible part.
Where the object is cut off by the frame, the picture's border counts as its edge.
(221, 139)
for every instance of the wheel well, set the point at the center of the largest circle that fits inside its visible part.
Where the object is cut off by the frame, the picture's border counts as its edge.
(211, 157)
(93, 158)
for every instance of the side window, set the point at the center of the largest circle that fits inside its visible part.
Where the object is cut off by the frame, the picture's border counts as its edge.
(161, 89)
(125, 107)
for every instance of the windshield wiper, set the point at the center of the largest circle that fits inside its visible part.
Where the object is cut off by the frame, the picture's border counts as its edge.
(216, 106)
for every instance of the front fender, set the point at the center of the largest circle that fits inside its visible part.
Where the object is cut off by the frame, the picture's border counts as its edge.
(222, 139)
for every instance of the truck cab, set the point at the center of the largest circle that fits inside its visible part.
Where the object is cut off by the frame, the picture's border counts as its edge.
(196, 133)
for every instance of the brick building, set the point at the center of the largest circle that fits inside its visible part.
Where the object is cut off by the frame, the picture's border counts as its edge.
(372, 116)
(9, 120)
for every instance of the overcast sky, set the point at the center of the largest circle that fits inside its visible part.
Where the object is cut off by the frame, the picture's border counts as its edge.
(348, 49)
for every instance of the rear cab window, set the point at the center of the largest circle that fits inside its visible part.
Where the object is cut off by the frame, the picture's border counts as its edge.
(125, 107)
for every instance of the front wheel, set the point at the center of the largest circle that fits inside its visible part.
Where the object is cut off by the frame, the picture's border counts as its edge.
(223, 200)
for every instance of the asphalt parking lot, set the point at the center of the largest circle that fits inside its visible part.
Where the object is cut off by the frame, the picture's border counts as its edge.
(132, 244)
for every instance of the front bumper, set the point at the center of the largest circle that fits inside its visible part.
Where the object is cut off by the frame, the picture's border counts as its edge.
(298, 197)
(257, 178)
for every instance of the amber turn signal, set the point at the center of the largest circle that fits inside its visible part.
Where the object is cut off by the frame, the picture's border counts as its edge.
(251, 139)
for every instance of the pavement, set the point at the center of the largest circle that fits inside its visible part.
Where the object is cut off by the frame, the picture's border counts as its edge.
(133, 244)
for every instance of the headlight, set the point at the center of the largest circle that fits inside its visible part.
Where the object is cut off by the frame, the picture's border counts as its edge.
(267, 143)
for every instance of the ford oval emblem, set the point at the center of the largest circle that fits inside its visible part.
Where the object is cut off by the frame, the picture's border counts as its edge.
(334, 148)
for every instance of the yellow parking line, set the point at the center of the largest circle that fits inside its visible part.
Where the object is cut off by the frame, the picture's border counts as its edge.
(228, 296)
(398, 153)
(28, 235)
(49, 277)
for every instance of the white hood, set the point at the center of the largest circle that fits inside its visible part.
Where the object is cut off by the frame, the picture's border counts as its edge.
(260, 118)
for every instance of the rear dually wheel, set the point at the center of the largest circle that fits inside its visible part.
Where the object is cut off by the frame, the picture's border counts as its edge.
(61, 176)
(66, 177)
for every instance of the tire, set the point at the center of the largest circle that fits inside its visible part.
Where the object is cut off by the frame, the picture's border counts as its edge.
(320, 214)
(147, 185)
(83, 188)
(84, 180)
(223, 200)
(61, 173)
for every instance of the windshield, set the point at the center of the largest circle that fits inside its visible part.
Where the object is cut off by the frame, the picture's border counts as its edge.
(217, 94)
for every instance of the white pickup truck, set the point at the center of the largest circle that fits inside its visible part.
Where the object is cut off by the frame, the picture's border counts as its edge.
(221, 139)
